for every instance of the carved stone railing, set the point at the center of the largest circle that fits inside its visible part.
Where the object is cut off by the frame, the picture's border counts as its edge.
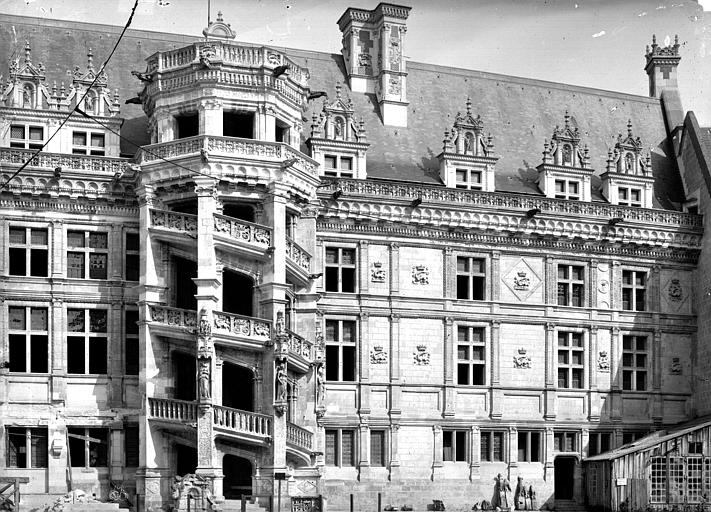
(173, 317)
(298, 255)
(244, 422)
(110, 166)
(244, 326)
(299, 436)
(300, 346)
(174, 221)
(172, 410)
(433, 194)
(229, 147)
(243, 231)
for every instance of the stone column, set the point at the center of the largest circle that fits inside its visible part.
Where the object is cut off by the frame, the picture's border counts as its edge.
(594, 406)
(394, 268)
(211, 120)
(513, 452)
(364, 363)
(437, 465)
(653, 290)
(551, 358)
(475, 453)
(497, 395)
(364, 451)
(117, 452)
(58, 350)
(449, 388)
(395, 366)
(449, 271)
(615, 406)
(394, 451)
(166, 126)
(57, 258)
(548, 460)
(116, 256)
(118, 351)
(656, 369)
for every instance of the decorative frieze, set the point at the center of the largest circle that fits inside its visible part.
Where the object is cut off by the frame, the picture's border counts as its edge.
(238, 325)
(174, 221)
(173, 317)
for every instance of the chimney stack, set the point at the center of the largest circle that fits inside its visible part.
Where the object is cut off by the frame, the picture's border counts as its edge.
(661, 66)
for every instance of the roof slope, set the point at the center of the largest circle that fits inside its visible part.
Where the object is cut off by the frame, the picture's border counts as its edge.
(520, 113)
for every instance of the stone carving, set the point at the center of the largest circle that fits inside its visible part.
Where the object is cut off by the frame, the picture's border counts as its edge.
(207, 54)
(280, 326)
(675, 368)
(364, 59)
(603, 286)
(394, 85)
(420, 274)
(521, 281)
(193, 492)
(422, 356)
(280, 382)
(603, 361)
(377, 272)
(378, 355)
(320, 385)
(204, 380)
(675, 290)
(522, 360)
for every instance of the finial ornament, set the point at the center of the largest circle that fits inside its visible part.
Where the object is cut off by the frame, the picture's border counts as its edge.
(28, 52)
(90, 59)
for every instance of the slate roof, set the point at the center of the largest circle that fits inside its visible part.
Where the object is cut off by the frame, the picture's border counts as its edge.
(520, 113)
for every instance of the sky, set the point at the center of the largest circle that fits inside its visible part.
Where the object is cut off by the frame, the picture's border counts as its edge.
(593, 43)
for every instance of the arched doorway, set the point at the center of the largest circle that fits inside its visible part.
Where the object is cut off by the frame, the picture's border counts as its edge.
(237, 387)
(237, 291)
(238, 476)
(564, 473)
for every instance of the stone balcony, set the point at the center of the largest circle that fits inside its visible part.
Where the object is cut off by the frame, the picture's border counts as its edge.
(300, 442)
(231, 234)
(240, 331)
(300, 350)
(174, 322)
(298, 261)
(174, 227)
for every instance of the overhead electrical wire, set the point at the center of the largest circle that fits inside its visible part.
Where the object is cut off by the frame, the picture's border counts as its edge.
(78, 102)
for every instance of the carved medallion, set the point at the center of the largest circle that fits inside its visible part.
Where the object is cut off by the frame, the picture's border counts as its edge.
(522, 360)
(603, 286)
(522, 280)
(675, 368)
(377, 272)
(420, 274)
(603, 361)
(378, 355)
(422, 356)
(676, 292)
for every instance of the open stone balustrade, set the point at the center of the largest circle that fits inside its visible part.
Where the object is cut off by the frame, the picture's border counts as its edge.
(174, 221)
(243, 231)
(299, 436)
(441, 195)
(300, 346)
(228, 147)
(243, 422)
(172, 410)
(298, 255)
(110, 166)
(242, 326)
(173, 317)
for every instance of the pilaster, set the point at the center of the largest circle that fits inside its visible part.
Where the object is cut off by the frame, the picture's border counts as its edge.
(475, 453)
(58, 351)
(449, 389)
(495, 276)
(395, 365)
(394, 269)
(364, 363)
(551, 408)
(497, 395)
(437, 465)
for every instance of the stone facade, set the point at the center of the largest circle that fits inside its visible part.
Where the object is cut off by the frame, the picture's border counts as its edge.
(246, 303)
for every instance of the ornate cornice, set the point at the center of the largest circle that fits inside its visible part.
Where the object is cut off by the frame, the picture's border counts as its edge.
(68, 205)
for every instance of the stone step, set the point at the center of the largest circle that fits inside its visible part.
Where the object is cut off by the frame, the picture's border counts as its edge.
(236, 506)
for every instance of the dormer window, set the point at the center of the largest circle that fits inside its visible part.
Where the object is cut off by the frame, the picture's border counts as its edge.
(26, 137)
(627, 196)
(338, 166)
(468, 179)
(567, 189)
(87, 143)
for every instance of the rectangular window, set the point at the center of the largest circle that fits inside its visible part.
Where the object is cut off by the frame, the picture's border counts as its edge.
(86, 341)
(338, 166)
(599, 442)
(341, 350)
(567, 189)
(634, 363)
(28, 251)
(26, 447)
(340, 447)
(629, 196)
(492, 446)
(377, 448)
(132, 257)
(87, 143)
(631, 437)
(26, 137)
(529, 446)
(28, 339)
(565, 442)
(88, 447)
(340, 269)
(634, 289)
(571, 285)
(471, 278)
(468, 179)
(471, 356)
(132, 356)
(131, 445)
(454, 445)
(88, 254)
(570, 360)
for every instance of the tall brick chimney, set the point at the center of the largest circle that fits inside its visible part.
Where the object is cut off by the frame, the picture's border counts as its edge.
(661, 66)
(373, 46)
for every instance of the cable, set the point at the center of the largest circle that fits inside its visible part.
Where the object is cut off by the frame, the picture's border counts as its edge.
(69, 115)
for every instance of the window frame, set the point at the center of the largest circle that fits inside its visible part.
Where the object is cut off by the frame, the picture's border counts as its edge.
(31, 449)
(89, 339)
(131, 338)
(27, 142)
(339, 171)
(340, 344)
(491, 452)
(29, 247)
(337, 456)
(29, 334)
(131, 255)
(569, 366)
(632, 288)
(565, 192)
(469, 183)
(635, 371)
(560, 437)
(384, 459)
(457, 436)
(528, 445)
(472, 344)
(86, 250)
(88, 444)
(570, 284)
(471, 275)
(628, 191)
(595, 438)
(340, 267)
(88, 148)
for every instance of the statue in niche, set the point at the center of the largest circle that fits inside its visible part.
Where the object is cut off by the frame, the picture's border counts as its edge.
(629, 163)
(27, 97)
(338, 128)
(281, 381)
(204, 380)
(320, 384)
(502, 493)
(89, 103)
(469, 144)
(567, 154)
(280, 326)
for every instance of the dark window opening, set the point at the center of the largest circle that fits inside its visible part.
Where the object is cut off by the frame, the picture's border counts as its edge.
(185, 288)
(186, 460)
(237, 290)
(26, 447)
(88, 443)
(238, 124)
(239, 211)
(281, 132)
(184, 370)
(38, 355)
(132, 258)
(237, 387)
(17, 262)
(132, 356)
(131, 445)
(188, 125)
(75, 355)
(18, 353)
(189, 207)
(97, 355)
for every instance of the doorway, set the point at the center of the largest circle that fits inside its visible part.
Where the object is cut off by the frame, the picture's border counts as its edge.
(237, 291)
(184, 371)
(564, 477)
(186, 460)
(238, 476)
(237, 387)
